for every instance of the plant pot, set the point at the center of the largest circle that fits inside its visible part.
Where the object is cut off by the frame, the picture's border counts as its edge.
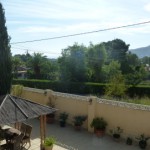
(129, 141)
(142, 144)
(77, 127)
(99, 132)
(62, 123)
(48, 147)
(116, 137)
(50, 118)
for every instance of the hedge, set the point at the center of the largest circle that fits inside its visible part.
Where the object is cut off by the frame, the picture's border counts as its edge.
(78, 87)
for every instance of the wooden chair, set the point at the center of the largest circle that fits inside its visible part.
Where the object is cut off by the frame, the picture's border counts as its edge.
(23, 128)
(15, 144)
(26, 138)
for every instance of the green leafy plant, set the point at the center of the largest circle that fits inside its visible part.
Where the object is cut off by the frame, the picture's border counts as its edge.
(63, 118)
(99, 123)
(143, 141)
(78, 120)
(116, 132)
(17, 90)
(129, 141)
(49, 141)
(116, 86)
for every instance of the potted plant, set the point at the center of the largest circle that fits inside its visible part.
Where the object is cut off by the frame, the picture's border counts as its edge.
(49, 142)
(143, 141)
(116, 133)
(78, 121)
(99, 125)
(63, 118)
(129, 141)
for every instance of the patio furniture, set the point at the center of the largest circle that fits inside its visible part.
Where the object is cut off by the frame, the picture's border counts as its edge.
(26, 138)
(23, 128)
(10, 134)
(14, 144)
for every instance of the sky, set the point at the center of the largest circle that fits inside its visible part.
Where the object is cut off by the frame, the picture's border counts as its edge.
(37, 19)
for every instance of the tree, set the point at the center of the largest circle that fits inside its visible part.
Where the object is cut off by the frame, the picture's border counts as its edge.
(111, 70)
(96, 57)
(116, 87)
(16, 63)
(39, 66)
(117, 50)
(5, 56)
(136, 76)
(72, 63)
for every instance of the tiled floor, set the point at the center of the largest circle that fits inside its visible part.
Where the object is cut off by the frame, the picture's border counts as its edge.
(68, 138)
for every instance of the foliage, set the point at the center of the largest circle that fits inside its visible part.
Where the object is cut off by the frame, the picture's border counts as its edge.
(117, 50)
(16, 63)
(78, 120)
(37, 64)
(96, 56)
(5, 56)
(116, 132)
(72, 63)
(81, 88)
(17, 90)
(129, 141)
(116, 87)
(49, 141)
(143, 141)
(111, 70)
(136, 76)
(63, 117)
(99, 123)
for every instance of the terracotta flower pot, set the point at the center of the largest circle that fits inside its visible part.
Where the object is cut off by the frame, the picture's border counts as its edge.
(99, 132)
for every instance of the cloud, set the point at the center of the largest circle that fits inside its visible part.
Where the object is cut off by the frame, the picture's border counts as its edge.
(147, 7)
(72, 28)
(38, 29)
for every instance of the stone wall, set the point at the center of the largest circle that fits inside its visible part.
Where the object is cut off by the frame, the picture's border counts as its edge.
(134, 119)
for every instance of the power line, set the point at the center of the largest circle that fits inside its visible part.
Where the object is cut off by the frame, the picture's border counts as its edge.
(83, 33)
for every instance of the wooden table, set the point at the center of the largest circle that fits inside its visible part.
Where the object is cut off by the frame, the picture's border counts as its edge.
(10, 133)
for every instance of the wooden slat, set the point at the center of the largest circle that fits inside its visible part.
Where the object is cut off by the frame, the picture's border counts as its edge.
(41, 130)
(44, 124)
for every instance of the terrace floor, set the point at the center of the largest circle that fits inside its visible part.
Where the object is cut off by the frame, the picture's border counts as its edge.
(70, 139)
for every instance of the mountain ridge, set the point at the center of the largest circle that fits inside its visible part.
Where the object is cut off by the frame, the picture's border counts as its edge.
(141, 52)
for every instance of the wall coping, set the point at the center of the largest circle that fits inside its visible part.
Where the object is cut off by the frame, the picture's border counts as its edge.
(78, 97)
(34, 90)
(124, 104)
(99, 100)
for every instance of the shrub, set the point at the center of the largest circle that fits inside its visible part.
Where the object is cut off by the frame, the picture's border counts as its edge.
(80, 88)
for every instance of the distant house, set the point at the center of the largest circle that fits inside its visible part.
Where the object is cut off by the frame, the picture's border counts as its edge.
(22, 72)
(147, 67)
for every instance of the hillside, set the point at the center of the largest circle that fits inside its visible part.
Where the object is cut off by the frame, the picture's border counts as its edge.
(141, 52)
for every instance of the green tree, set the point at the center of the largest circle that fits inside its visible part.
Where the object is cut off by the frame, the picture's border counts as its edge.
(145, 60)
(36, 63)
(136, 76)
(132, 59)
(24, 57)
(96, 57)
(116, 87)
(117, 50)
(111, 70)
(16, 62)
(5, 56)
(72, 63)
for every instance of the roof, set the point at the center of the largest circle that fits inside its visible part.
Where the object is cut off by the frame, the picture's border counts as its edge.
(15, 109)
